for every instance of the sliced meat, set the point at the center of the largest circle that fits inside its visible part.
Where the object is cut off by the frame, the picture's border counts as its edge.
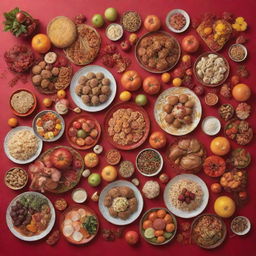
(194, 146)
(39, 164)
(190, 162)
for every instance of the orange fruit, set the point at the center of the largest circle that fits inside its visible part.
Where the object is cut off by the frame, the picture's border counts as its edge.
(177, 82)
(166, 77)
(241, 92)
(109, 173)
(47, 102)
(235, 79)
(152, 216)
(160, 239)
(125, 96)
(170, 227)
(224, 206)
(41, 43)
(91, 160)
(161, 213)
(186, 58)
(13, 122)
(61, 94)
(168, 218)
(133, 38)
(207, 31)
(159, 233)
(147, 224)
(220, 146)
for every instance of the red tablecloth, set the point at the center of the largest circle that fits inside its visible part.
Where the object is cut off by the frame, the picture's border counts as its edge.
(45, 11)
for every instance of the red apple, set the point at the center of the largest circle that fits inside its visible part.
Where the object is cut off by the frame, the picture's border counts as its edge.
(131, 237)
(190, 44)
(125, 45)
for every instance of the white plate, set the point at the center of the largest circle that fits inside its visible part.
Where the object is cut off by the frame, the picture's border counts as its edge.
(8, 136)
(174, 11)
(83, 71)
(178, 212)
(29, 238)
(104, 210)
(160, 114)
(58, 116)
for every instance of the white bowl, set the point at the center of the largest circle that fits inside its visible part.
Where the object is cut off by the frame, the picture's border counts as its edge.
(216, 120)
(82, 199)
(246, 230)
(161, 163)
(245, 50)
(174, 11)
(118, 25)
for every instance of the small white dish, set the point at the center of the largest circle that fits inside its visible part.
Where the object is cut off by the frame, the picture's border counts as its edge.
(246, 231)
(79, 195)
(174, 11)
(160, 167)
(243, 47)
(208, 121)
(117, 26)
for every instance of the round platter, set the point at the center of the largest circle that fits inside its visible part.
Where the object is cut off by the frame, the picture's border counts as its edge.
(18, 234)
(88, 211)
(74, 82)
(162, 33)
(160, 114)
(207, 84)
(178, 212)
(104, 210)
(72, 176)
(134, 108)
(31, 159)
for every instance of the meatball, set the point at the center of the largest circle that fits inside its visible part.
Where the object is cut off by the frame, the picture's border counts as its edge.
(82, 79)
(188, 119)
(167, 108)
(86, 99)
(133, 204)
(36, 70)
(112, 212)
(173, 100)
(49, 67)
(150, 52)
(96, 91)
(183, 98)
(55, 71)
(168, 43)
(42, 64)
(94, 82)
(99, 76)
(90, 75)
(189, 104)
(152, 62)
(105, 89)
(176, 123)
(95, 100)
(169, 118)
(105, 81)
(114, 192)
(46, 74)
(163, 53)
(144, 59)
(86, 90)
(126, 192)
(78, 90)
(108, 201)
(36, 80)
(45, 83)
(124, 215)
(188, 111)
(141, 51)
(146, 42)
(157, 45)
(103, 98)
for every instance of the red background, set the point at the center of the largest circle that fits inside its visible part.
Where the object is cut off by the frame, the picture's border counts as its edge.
(45, 11)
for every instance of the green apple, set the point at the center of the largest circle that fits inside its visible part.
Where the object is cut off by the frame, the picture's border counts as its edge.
(111, 14)
(94, 179)
(81, 133)
(141, 100)
(97, 20)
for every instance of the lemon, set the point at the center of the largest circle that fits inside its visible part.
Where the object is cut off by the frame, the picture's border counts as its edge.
(125, 96)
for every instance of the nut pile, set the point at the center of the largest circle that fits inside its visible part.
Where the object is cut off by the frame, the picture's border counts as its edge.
(16, 178)
(226, 111)
(131, 21)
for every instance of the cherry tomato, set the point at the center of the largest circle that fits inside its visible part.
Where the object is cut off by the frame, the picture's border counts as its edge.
(77, 125)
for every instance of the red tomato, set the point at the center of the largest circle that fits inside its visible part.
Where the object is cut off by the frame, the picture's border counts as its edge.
(190, 44)
(157, 140)
(151, 85)
(77, 125)
(61, 158)
(81, 120)
(131, 237)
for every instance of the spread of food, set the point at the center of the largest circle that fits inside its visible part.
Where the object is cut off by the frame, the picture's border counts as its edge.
(119, 150)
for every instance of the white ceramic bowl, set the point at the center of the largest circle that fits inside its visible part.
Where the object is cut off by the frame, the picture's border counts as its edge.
(217, 122)
(174, 11)
(118, 25)
(161, 163)
(246, 230)
(244, 48)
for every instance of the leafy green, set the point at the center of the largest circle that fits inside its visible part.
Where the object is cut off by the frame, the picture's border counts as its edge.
(33, 201)
(168, 235)
(91, 224)
(12, 25)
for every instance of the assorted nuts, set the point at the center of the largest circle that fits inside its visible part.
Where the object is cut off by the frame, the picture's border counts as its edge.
(16, 178)
(226, 111)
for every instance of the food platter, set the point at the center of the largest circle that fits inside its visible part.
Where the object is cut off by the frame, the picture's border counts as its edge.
(18, 234)
(104, 210)
(10, 134)
(83, 212)
(158, 34)
(181, 213)
(133, 107)
(160, 115)
(77, 99)
(80, 117)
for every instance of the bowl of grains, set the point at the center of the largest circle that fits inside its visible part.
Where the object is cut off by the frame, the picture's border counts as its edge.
(149, 162)
(240, 225)
(177, 20)
(126, 169)
(21, 145)
(131, 21)
(22, 102)
(114, 31)
(16, 178)
(237, 52)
